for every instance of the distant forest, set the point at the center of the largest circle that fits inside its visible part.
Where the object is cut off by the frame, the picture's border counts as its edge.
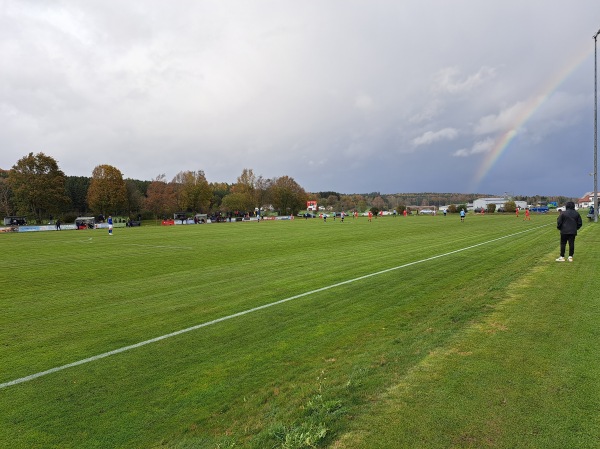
(36, 188)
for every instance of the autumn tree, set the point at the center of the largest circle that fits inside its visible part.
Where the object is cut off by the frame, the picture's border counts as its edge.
(392, 201)
(287, 196)
(160, 197)
(192, 191)
(38, 186)
(243, 193)
(347, 202)
(332, 201)
(379, 203)
(107, 193)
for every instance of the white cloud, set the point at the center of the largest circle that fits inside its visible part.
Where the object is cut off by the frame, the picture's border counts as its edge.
(430, 111)
(505, 119)
(430, 136)
(481, 146)
(446, 80)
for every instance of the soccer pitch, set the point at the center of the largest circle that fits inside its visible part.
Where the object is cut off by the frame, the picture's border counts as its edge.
(272, 334)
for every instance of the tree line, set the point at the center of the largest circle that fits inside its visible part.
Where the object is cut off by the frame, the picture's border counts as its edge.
(35, 187)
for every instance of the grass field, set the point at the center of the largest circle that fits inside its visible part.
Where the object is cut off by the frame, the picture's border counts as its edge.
(407, 332)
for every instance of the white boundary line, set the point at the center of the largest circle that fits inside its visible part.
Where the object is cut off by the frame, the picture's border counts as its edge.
(245, 312)
(156, 246)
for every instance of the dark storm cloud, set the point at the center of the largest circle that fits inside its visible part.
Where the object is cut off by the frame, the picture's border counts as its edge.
(351, 96)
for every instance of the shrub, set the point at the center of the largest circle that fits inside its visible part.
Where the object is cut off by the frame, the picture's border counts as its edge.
(510, 206)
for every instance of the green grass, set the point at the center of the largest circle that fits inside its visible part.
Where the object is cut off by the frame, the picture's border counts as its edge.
(493, 346)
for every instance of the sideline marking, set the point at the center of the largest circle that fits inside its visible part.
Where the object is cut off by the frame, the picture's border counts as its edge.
(156, 246)
(245, 312)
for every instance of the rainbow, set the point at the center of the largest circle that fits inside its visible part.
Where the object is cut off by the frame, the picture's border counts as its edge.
(504, 140)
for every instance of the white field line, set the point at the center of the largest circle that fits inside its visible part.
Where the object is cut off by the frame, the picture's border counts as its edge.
(138, 244)
(245, 312)
(156, 246)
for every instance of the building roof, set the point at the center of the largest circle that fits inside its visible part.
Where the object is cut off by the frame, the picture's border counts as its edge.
(589, 196)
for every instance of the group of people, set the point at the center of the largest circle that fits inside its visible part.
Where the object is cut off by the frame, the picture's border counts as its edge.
(568, 223)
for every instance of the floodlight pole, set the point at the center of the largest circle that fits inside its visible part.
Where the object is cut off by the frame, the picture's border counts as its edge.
(596, 127)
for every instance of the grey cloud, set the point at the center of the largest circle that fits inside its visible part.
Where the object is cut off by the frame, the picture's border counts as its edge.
(322, 91)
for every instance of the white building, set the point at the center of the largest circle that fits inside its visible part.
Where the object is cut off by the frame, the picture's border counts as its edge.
(587, 200)
(482, 203)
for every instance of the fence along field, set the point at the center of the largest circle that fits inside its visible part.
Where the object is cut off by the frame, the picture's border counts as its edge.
(299, 368)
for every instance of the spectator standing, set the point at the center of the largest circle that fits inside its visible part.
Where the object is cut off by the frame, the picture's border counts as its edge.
(568, 223)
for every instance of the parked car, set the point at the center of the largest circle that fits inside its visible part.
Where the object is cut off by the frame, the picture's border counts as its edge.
(540, 209)
(563, 208)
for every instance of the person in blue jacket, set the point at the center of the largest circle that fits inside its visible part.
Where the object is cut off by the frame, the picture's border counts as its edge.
(110, 225)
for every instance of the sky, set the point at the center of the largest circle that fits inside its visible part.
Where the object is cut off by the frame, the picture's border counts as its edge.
(465, 96)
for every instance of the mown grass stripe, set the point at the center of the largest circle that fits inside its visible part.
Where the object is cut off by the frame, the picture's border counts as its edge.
(254, 309)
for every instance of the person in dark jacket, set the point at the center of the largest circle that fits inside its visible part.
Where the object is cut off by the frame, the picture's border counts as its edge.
(568, 222)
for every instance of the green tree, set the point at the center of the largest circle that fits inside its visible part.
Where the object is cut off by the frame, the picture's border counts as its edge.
(361, 204)
(287, 196)
(6, 195)
(38, 186)
(219, 191)
(107, 193)
(263, 192)
(235, 202)
(77, 188)
(134, 197)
